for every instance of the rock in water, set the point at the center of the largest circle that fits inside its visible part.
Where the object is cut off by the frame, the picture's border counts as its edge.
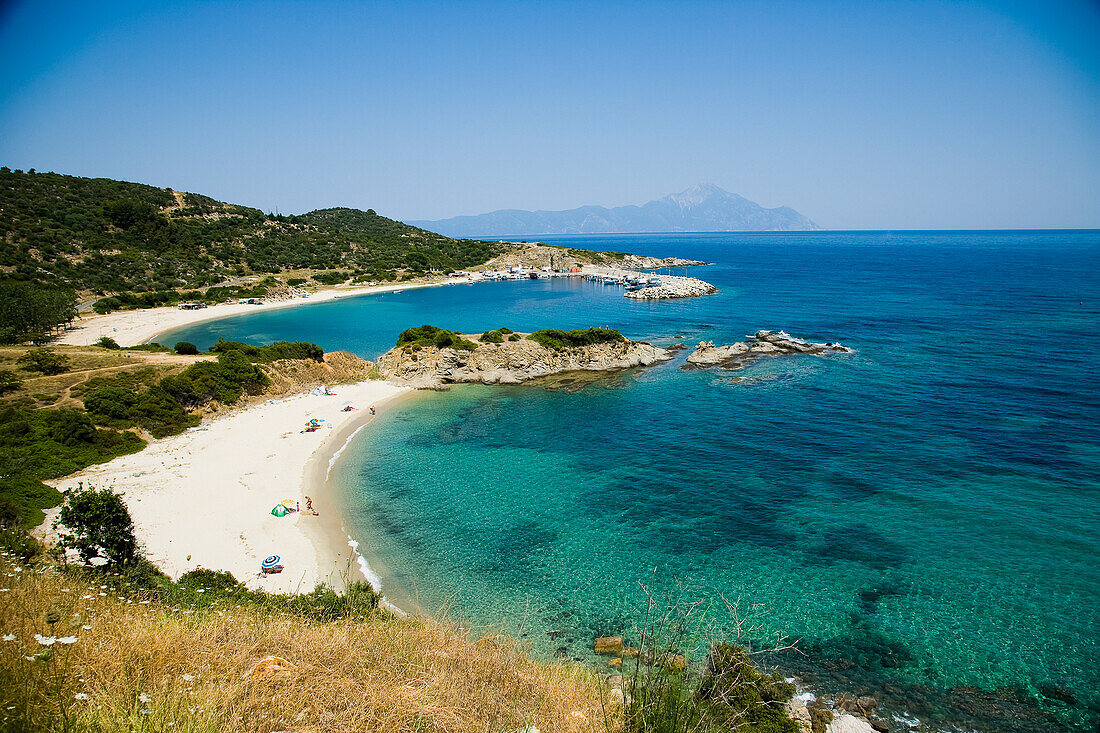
(764, 343)
(608, 645)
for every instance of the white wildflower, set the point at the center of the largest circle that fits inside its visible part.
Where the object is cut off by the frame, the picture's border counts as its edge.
(9, 637)
(66, 640)
(144, 698)
(45, 640)
(81, 696)
(86, 627)
(188, 677)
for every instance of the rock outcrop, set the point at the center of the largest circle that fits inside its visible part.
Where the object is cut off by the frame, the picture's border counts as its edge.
(531, 255)
(764, 343)
(510, 362)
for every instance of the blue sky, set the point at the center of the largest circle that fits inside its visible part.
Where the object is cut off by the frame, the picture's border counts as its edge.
(858, 114)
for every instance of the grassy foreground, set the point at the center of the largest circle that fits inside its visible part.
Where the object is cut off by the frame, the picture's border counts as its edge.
(137, 663)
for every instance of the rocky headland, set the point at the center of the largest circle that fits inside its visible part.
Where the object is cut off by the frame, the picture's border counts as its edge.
(533, 255)
(431, 363)
(763, 343)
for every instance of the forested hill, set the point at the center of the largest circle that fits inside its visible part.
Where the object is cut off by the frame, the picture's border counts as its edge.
(102, 235)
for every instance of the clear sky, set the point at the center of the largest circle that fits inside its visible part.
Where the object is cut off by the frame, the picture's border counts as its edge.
(858, 114)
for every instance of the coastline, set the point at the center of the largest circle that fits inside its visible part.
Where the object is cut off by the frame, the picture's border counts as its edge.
(332, 533)
(204, 498)
(136, 327)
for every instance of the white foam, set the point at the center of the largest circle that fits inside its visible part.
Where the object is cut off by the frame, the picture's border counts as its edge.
(368, 572)
(332, 461)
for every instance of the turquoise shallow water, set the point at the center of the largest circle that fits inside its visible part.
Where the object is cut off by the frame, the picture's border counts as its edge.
(921, 514)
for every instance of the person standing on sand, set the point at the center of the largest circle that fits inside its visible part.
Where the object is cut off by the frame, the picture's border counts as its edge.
(372, 409)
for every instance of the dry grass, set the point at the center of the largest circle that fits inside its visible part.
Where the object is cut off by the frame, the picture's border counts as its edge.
(85, 362)
(147, 667)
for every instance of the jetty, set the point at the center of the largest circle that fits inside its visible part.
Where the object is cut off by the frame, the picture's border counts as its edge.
(647, 285)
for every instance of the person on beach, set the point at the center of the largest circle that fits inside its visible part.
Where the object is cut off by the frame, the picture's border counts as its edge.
(372, 409)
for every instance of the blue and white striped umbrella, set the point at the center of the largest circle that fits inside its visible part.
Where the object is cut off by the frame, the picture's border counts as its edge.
(270, 562)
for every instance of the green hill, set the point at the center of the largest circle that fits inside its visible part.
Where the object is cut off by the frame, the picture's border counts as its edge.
(101, 236)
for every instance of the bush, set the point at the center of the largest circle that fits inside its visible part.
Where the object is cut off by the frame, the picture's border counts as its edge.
(553, 338)
(492, 337)
(186, 348)
(433, 336)
(159, 413)
(208, 579)
(107, 342)
(735, 690)
(331, 278)
(9, 382)
(45, 361)
(296, 281)
(114, 403)
(97, 524)
(272, 352)
(515, 337)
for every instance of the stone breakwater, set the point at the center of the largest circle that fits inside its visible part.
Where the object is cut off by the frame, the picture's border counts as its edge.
(763, 343)
(511, 362)
(651, 286)
(673, 286)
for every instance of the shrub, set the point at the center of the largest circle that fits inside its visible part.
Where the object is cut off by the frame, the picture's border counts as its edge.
(553, 338)
(96, 523)
(186, 348)
(514, 337)
(505, 329)
(272, 352)
(240, 369)
(208, 579)
(296, 281)
(159, 413)
(9, 381)
(45, 361)
(112, 402)
(107, 342)
(434, 336)
(735, 691)
(331, 278)
(492, 337)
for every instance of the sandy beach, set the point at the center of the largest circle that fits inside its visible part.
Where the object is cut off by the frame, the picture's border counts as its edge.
(131, 328)
(204, 498)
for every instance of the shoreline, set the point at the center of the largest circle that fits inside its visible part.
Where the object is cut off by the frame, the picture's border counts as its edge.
(332, 531)
(136, 327)
(203, 498)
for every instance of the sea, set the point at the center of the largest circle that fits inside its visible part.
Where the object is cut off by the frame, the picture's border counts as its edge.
(919, 517)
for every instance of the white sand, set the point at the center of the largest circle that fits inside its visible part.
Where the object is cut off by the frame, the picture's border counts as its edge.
(204, 498)
(131, 328)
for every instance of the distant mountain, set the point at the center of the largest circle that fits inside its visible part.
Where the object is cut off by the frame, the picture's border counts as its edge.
(702, 208)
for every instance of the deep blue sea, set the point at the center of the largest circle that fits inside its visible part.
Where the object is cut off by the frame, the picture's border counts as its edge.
(921, 514)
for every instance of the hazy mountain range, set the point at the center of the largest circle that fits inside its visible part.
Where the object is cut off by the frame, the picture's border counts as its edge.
(702, 208)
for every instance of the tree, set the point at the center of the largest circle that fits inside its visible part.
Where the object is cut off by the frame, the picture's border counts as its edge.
(8, 381)
(96, 523)
(187, 348)
(44, 360)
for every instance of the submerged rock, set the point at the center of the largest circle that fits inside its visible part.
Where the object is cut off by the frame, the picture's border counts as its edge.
(608, 645)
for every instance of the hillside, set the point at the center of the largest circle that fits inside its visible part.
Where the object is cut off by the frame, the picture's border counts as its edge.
(702, 208)
(99, 235)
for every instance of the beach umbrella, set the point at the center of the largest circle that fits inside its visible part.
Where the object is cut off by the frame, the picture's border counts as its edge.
(346, 404)
(270, 562)
(279, 510)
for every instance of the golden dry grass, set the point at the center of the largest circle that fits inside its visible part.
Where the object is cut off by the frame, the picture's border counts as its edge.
(85, 362)
(147, 667)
